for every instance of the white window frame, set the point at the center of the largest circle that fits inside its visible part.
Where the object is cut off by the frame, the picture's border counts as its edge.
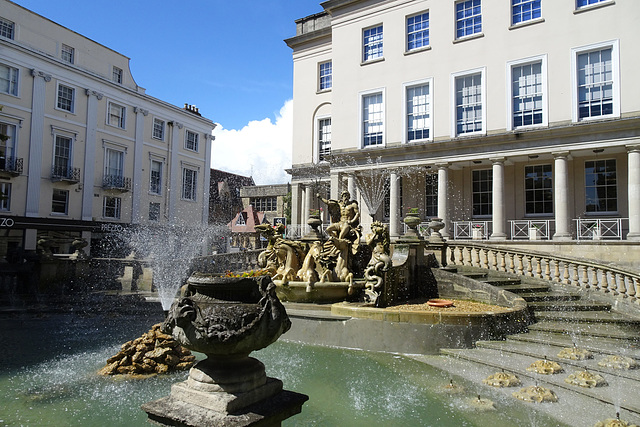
(405, 125)
(120, 169)
(196, 142)
(71, 138)
(117, 208)
(523, 21)
(5, 203)
(160, 178)
(407, 33)
(10, 146)
(379, 56)
(361, 133)
(7, 28)
(326, 79)
(163, 125)
(598, 4)
(617, 186)
(536, 191)
(615, 72)
(122, 122)
(67, 53)
(456, 20)
(490, 192)
(66, 202)
(453, 102)
(13, 81)
(319, 119)
(545, 90)
(72, 107)
(193, 197)
(117, 75)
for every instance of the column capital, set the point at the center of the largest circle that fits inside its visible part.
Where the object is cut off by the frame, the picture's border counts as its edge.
(176, 124)
(90, 92)
(561, 155)
(633, 148)
(37, 73)
(141, 110)
(497, 160)
(444, 165)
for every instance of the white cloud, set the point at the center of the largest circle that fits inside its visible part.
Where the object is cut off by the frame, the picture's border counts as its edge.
(261, 148)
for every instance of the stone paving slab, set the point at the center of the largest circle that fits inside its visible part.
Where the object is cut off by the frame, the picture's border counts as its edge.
(573, 409)
(596, 344)
(619, 391)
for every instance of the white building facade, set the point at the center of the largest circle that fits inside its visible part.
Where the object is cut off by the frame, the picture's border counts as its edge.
(88, 152)
(500, 116)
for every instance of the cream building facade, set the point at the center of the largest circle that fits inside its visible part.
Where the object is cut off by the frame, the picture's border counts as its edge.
(500, 117)
(88, 151)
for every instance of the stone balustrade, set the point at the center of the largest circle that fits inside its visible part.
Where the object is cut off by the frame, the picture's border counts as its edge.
(582, 273)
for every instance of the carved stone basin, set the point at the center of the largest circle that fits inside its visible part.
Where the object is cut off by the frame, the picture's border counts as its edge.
(318, 292)
(223, 316)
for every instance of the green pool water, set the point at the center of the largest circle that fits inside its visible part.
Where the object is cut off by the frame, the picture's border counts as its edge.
(48, 378)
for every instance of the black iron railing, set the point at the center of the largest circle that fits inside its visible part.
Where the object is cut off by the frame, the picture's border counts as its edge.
(11, 165)
(62, 173)
(116, 182)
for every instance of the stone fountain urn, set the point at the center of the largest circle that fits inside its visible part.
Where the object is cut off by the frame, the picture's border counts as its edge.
(226, 318)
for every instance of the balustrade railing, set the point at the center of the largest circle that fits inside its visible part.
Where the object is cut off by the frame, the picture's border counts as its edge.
(599, 228)
(580, 273)
(116, 182)
(531, 229)
(11, 165)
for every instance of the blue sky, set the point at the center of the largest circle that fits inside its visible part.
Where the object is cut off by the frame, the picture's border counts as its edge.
(226, 57)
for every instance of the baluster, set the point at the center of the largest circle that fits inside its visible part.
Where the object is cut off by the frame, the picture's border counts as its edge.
(594, 278)
(529, 266)
(452, 255)
(494, 260)
(478, 262)
(538, 261)
(469, 261)
(503, 262)
(635, 288)
(613, 283)
(547, 269)
(622, 286)
(605, 281)
(520, 267)
(556, 271)
(565, 276)
(585, 277)
(575, 277)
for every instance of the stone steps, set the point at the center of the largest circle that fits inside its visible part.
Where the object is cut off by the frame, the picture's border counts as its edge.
(624, 332)
(517, 363)
(569, 306)
(563, 319)
(588, 342)
(549, 296)
(588, 317)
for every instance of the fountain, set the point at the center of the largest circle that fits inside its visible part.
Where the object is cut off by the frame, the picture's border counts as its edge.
(226, 319)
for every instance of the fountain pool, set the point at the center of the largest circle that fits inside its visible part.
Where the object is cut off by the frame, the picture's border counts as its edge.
(49, 363)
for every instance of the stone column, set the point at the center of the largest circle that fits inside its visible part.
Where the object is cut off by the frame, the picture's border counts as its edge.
(351, 187)
(35, 146)
(309, 195)
(89, 172)
(208, 142)
(394, 205)
(633, 157)
(296, 202)
(561, 196)
(138, 148)
(498, 207)
(443, 197)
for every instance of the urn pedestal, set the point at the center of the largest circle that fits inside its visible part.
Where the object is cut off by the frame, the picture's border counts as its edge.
(226, 319)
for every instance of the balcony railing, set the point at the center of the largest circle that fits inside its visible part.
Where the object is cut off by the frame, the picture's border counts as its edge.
(11, 166)
(116, 182)
(60, 173)
(532, 229)
(599, 228)
(471, 230)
